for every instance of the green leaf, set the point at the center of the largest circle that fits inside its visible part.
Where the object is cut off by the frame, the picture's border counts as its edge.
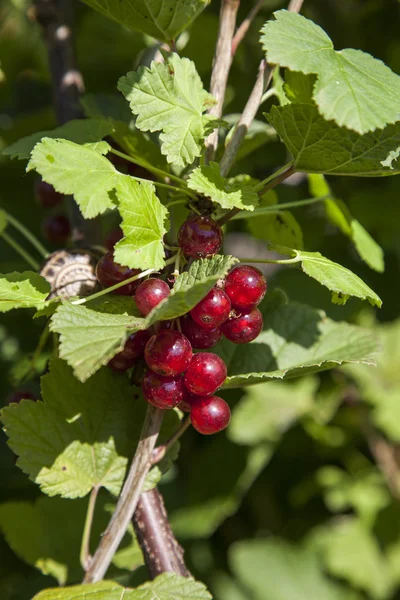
(207, 507)
(342, 282)
(352, 88)
(78, 437)
(338, 213)
(136, 144)
(296, 340)
(272, 569)
(169, 97)
(49, 520)
(267, 410)
(299, 87)
(80, 131)
(143, 218)
(23, 290)
(275, 227)
(3, 221)
(320, 146)
(350, 552)
(162, 19)
(207, 180)
(167, 586)
(78, 170)
(90, 338)
(381, 386)
(191, 286)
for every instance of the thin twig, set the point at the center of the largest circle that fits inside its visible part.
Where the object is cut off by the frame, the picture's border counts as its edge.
(21, 251)
(247, 117)
(244, 26)
(252, 106)
(277, 208)
(221, 67)
(383, 453)
(128, 499)
(161, 451)
(85, 557)
(282, 175)
(27, 234)
(161, 550)
(55, 18)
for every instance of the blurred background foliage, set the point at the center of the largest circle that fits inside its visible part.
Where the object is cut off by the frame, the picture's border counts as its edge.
(300, 497)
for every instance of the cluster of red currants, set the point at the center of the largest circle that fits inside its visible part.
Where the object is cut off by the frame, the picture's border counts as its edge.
(56, 228)
(175, 376)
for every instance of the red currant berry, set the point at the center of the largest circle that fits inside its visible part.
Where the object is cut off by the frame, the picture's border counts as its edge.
(150, 293)
(246, 287)
(213, 310)
(56, 229)
(200, 338)
(133, 349)
(245, 328)
(205, 374)
(200, 237)
(162, 392)
(168, 352)
(210, 415)
(46, 195)
(112, 238)
(188, 400)
(109, 273)
(121, 363)
(20, 395)
(136, 343)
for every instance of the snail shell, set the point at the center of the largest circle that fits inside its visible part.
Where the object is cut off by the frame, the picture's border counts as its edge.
(72, 272)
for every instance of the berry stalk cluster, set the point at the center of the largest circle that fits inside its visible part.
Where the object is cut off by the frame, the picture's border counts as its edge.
(174, 375)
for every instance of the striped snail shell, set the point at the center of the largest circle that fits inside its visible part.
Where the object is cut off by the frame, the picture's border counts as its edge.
(72, 272)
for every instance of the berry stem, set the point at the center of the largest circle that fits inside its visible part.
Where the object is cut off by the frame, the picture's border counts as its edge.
(84, 556)
(27, 234)
(174, 188)
(114, 287)
(277, 208)
(20, 250)
(129, 497)
(263, 187)
(272, 261)
(161, 451)
(150, 168)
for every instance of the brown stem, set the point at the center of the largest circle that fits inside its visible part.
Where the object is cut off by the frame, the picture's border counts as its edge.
(384, 455)
(244, 26)
(252, 106)
(128, 499)
(269, 186)
(55, 18)
(221, 67)
(161, 550)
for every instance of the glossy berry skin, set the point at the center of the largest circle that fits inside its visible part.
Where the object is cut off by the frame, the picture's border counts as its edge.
(46, 195)
(213, 310)
(200, 237)
(246, 287)
(168, 352)
(162, 392)
(205, 374)
(56, 229)
(200, 338)
(109, 273)
(210, 415)
(133, 349)
(188, 400)
(112, 238)
(245, 328)
(150, 293)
